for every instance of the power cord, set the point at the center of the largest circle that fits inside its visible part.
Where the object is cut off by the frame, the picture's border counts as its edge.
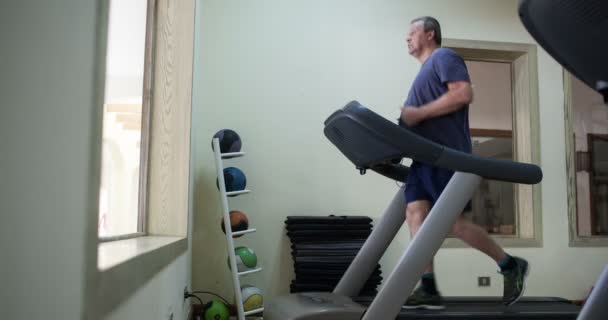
(213, 294)
(188, 295)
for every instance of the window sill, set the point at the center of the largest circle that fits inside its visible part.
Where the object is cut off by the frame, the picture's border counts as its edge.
(581, 242)
(114, 253)
(126, 265)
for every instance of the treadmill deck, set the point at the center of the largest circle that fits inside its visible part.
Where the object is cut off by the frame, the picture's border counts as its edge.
(492, 308)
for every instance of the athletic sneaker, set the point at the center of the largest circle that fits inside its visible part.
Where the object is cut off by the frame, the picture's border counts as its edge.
(515, 281)
(421, 299)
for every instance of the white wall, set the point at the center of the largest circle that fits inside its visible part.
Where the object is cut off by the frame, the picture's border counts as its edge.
(274, 70)
(45, 128)
(49, 166)
(161, 298)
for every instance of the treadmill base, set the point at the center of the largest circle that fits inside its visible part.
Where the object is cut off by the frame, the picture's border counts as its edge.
(493, 308)
(329, 306)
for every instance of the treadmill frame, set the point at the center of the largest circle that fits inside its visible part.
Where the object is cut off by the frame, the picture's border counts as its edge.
(419, 253)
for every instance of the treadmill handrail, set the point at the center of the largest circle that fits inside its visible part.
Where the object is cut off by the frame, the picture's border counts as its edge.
(424, 150)
(397, 172)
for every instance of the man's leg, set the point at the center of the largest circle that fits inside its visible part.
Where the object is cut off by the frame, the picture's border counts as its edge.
(478, 238)
(426, 296)
(514, 269)
(415, 213)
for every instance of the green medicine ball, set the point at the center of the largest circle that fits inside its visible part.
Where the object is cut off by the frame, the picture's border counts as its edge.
(246, 259)
(216, 310)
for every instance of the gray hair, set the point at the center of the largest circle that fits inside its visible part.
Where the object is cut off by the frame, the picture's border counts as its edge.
(431, 24)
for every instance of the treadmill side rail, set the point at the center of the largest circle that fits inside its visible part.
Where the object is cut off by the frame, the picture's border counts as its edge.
(419, 253)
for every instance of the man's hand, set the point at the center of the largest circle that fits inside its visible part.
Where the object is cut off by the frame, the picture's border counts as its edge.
(412, 115)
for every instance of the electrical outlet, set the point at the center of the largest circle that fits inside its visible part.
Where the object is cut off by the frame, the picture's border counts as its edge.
(483, 281)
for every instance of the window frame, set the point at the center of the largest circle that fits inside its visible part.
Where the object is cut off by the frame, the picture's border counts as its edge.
(115, 270)
(575, 240)
(526, 130)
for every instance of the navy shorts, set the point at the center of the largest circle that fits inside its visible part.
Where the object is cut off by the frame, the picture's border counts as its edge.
(425, 182)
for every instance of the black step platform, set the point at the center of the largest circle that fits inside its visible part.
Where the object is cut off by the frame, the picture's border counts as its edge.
(332, 227)
(328, 220)
(322, 248)
(492, 308)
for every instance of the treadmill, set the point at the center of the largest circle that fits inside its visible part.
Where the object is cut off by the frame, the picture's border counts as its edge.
(372, 142)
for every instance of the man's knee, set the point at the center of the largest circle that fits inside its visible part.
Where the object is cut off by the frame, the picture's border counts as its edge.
(416, 212)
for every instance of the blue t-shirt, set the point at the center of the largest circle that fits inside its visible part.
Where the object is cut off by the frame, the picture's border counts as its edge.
(451, 130)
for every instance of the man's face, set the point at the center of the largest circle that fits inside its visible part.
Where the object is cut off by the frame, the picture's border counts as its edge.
(417, 39)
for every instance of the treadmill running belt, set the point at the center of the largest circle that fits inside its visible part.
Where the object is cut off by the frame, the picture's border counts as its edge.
(492, 308)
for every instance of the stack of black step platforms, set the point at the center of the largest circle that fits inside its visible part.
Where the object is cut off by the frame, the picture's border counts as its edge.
(322, 249)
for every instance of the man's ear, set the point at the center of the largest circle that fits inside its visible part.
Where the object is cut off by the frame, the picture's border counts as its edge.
(431, 35)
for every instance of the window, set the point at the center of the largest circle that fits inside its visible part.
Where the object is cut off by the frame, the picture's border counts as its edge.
(491, 122)
(125, 118)
(164, 172)
(598, 185)
(504, 122)
(587, 162)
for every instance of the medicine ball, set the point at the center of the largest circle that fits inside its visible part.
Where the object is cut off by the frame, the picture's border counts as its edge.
(216, 310)
(238, 222)
(246, 259)
(252, 297)
(234, 179)
(229, 141)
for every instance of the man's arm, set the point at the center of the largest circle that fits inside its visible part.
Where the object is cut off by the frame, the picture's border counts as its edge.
(458, 95)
